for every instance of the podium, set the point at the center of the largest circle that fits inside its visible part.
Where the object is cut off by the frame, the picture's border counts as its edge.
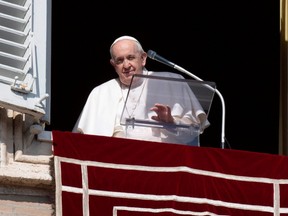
(189, 101)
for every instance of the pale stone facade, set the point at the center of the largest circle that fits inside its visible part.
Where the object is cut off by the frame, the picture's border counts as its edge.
(26, 166)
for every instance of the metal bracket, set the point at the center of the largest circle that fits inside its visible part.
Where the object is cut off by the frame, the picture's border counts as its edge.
(24, 86)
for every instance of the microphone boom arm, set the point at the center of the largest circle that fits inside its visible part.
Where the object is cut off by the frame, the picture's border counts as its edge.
(220, 96)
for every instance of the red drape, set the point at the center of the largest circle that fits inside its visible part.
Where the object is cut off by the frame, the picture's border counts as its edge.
(105, 176)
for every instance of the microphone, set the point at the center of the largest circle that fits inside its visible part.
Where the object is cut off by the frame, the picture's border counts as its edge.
(153, 55)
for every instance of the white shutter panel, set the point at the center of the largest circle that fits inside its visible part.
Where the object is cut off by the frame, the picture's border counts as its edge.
(25, 56)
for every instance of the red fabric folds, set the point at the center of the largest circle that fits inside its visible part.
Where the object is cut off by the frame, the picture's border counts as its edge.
(105, 176)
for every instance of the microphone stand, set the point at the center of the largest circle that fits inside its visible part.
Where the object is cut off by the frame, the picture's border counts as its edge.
(153, 55)
(220, 96)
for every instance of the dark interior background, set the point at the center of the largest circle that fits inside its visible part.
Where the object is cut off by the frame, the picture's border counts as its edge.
(234, 44)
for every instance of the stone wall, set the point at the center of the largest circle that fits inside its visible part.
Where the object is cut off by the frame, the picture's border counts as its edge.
(26, 166)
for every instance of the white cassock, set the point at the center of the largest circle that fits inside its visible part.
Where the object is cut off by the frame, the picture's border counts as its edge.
(102, 111)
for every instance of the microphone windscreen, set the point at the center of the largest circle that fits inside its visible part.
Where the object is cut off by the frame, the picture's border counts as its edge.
(151, 54)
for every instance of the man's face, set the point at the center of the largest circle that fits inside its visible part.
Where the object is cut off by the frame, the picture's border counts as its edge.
(127, 60)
